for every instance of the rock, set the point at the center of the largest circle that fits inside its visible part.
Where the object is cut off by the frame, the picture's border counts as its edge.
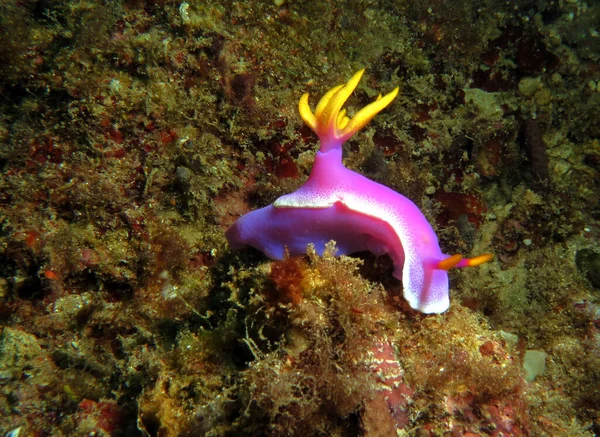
(529, 85)
(534, 364)
(588, 263)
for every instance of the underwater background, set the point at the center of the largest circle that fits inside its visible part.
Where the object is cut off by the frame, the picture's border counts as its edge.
(134, 133)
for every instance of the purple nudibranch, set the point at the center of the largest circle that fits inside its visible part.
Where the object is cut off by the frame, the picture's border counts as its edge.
(357, 213)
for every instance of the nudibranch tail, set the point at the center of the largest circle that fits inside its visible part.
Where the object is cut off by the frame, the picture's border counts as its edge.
(448, 263)
(458, 261)
(330, 122)
(475, 261)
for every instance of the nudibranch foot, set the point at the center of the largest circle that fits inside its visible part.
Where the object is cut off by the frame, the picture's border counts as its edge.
(357, 213)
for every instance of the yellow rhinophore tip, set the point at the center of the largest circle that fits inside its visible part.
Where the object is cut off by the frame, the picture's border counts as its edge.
(330, 122)
(305, 112)
(448, 263)
(362, 117)
(337, 100)
(478, 260)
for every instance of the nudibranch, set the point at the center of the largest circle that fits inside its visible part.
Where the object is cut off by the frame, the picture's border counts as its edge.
(338, 204)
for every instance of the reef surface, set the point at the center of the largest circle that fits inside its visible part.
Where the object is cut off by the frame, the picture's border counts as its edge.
(134, 133)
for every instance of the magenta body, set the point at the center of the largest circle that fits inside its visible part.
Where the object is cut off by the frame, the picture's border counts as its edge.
(358, 214)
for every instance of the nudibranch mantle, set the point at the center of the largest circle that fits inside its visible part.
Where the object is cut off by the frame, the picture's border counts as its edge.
(338, 204)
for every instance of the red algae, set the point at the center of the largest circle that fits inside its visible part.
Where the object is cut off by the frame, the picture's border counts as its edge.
(287, 277)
